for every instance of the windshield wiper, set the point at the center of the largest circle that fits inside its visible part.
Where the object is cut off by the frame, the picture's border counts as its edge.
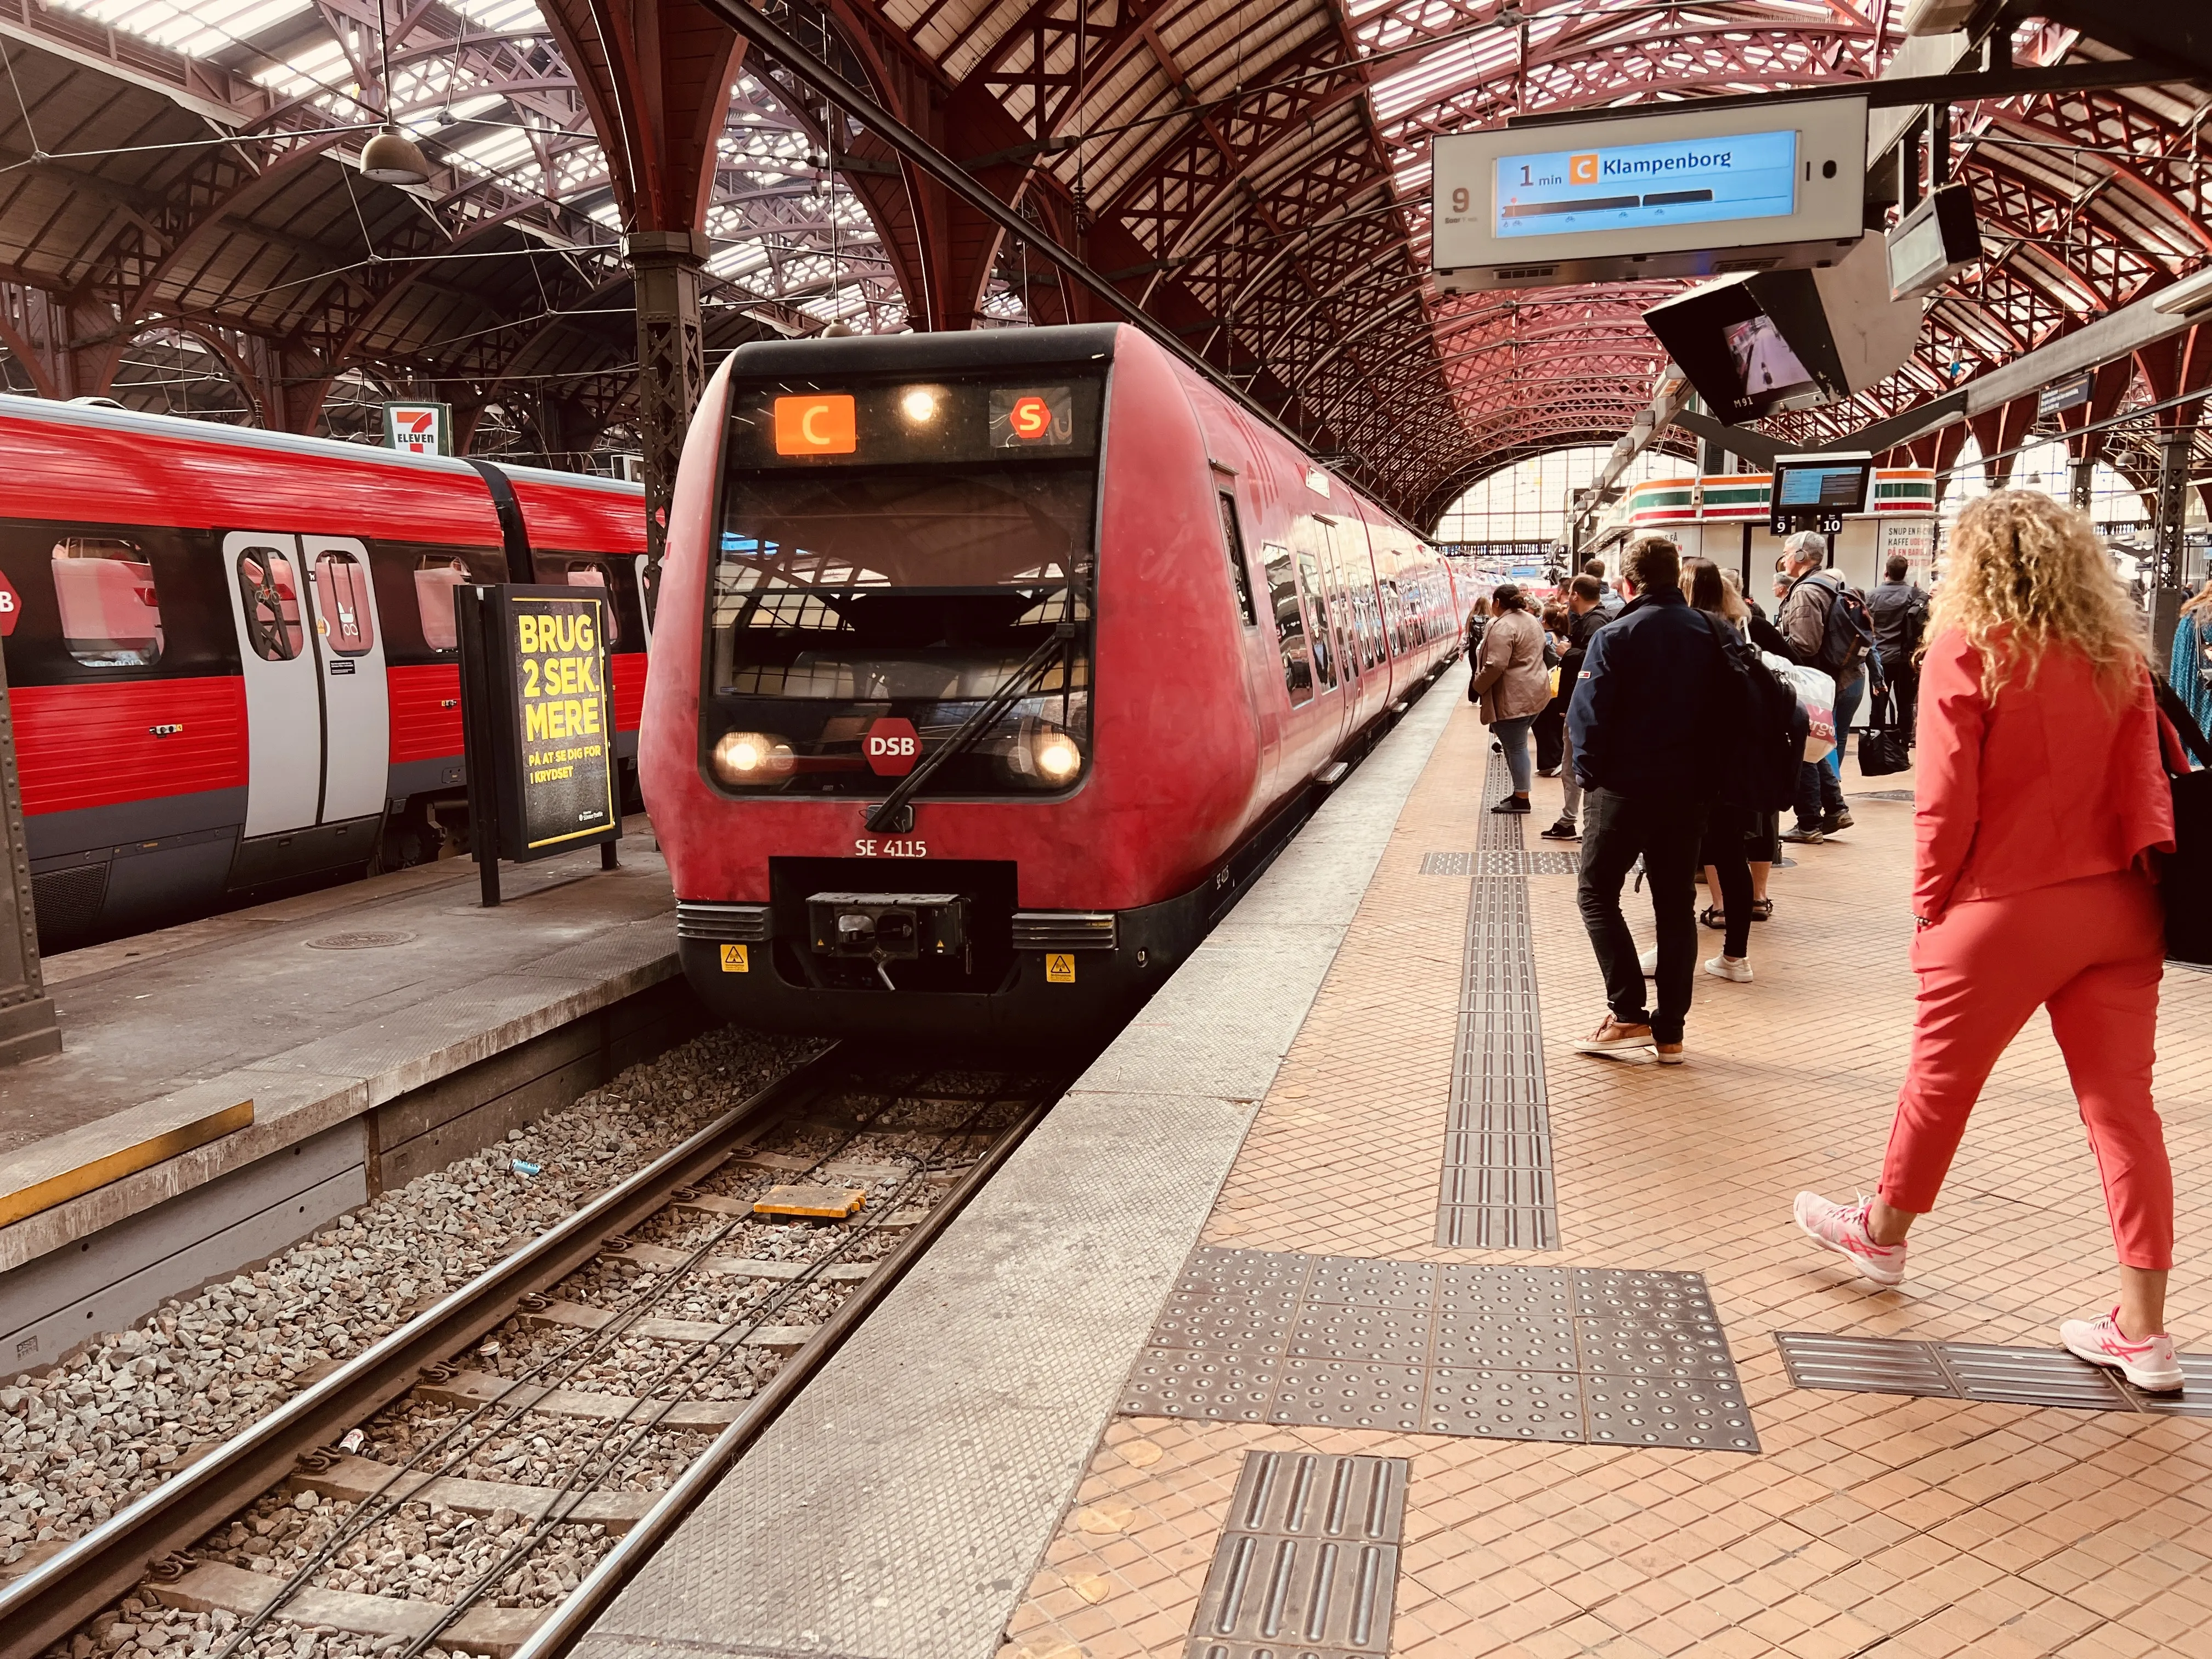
(965, 736)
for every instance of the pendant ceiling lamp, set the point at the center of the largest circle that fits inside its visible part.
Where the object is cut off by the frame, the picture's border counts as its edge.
(392, 157)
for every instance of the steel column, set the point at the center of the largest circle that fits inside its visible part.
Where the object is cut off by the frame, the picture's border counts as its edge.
(2173, 507)
(671, 371)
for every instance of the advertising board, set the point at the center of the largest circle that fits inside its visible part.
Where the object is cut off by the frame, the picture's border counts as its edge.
(538, 722)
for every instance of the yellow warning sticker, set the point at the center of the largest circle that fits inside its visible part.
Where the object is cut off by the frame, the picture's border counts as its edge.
(734, 960)
(1060, 967)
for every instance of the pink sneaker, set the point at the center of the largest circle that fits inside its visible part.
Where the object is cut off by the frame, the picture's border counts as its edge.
(2148, 1365)
(1843, 1229)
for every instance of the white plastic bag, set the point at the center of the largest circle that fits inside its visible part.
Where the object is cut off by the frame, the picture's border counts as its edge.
(1816, 694)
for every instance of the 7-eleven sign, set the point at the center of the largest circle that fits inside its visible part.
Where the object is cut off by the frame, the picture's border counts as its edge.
(419, 428)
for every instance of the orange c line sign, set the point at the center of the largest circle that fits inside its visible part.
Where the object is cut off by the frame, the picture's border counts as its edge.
(817, 423)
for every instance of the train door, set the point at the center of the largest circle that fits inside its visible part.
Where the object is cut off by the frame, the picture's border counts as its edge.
(317, 722)
(357, 708)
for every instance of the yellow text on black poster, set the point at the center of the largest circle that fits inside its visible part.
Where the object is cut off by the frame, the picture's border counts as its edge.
(561, 694)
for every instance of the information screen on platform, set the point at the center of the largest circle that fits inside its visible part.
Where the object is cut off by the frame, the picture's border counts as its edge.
(1678, 193)
(1646, 186)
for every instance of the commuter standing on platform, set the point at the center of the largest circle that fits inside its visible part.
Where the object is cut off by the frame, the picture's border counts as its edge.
(1608, 600)
(1818, 640)
(1512, 685)
(1900, 609)
(2041, 798)
(1550, 729)
(1586, 614)
(1647, 727)
(2188, 670)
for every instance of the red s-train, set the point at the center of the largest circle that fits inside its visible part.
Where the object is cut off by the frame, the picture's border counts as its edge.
(230, 653)
(991, 666)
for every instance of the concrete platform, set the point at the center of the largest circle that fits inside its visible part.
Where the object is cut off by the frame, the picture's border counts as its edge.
(900, 1506)
(1309, 1112)
(379, 1029)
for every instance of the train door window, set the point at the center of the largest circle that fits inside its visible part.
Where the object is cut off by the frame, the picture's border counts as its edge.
(1233, 540)
(1324, 642)
(435, 579)
(271, 593)
(586, 573)
(341, 602)
(1290, 624)
(111, 614)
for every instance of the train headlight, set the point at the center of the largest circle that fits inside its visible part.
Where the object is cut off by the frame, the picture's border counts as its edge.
(919, 404)
(750, 757)
(1058, 758)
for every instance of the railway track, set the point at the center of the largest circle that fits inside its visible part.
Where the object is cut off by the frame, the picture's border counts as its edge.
(483, 1479)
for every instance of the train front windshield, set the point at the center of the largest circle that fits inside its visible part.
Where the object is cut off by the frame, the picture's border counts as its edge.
(892, 557)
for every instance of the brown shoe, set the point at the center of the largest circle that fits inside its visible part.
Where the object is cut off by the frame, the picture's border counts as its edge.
(1611, 1035)
(1670, 1053)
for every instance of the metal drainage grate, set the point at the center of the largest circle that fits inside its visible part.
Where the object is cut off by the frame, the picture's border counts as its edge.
(1885, 794)
(366, 941)
(1976, 1370)
(1447, 864)
(1582, 1354)
(1495, 1190)
(1307, 1567)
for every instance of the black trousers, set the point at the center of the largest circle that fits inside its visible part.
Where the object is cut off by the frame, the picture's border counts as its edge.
(1728, 849)
(1668, 833)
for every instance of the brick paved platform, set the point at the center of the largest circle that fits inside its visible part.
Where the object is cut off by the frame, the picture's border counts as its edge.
(1866, 1523)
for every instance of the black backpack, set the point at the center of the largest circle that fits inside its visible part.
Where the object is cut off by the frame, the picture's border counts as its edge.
(1764, 729)
(1847, 638)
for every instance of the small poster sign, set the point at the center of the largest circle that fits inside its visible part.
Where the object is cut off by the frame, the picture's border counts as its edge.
(538, 723)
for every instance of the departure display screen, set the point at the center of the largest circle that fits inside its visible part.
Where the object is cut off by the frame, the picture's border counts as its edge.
(1822, 487)
(1751, 175)
(903, 423)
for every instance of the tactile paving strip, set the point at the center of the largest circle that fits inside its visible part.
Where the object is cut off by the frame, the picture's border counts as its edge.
(1447, 864)
(1589, 1354)
(1975, 1370)
(1884, 794)
(1495, 1191)
(1307, 1567)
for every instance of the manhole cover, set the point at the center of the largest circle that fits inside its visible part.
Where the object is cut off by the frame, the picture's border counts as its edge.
(357, 941)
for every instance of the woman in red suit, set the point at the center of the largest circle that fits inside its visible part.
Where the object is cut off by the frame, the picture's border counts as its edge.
(2040, 799)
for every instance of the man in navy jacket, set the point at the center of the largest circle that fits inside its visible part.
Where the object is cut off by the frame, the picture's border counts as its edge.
(1647, 724)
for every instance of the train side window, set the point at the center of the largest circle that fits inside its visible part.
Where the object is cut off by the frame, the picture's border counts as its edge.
(1232, 538)
(111, 614)
(271, 593)
(1324, 640)
(342, 600)
(435, 579)
(590, 573)
(1290, 624)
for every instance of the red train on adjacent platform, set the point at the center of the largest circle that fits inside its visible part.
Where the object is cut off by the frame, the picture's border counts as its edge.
(992, 666)
(230, 653)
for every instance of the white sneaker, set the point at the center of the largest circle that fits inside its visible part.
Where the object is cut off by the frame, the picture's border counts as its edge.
(1649, 962)
(1736, 968)
(1843, 1228)
(2149, 1364)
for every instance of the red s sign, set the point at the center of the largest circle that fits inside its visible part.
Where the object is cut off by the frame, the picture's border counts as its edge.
(11, 606)
(891, 746)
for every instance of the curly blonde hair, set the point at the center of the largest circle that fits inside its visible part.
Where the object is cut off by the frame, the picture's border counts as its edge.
(2024, 575)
